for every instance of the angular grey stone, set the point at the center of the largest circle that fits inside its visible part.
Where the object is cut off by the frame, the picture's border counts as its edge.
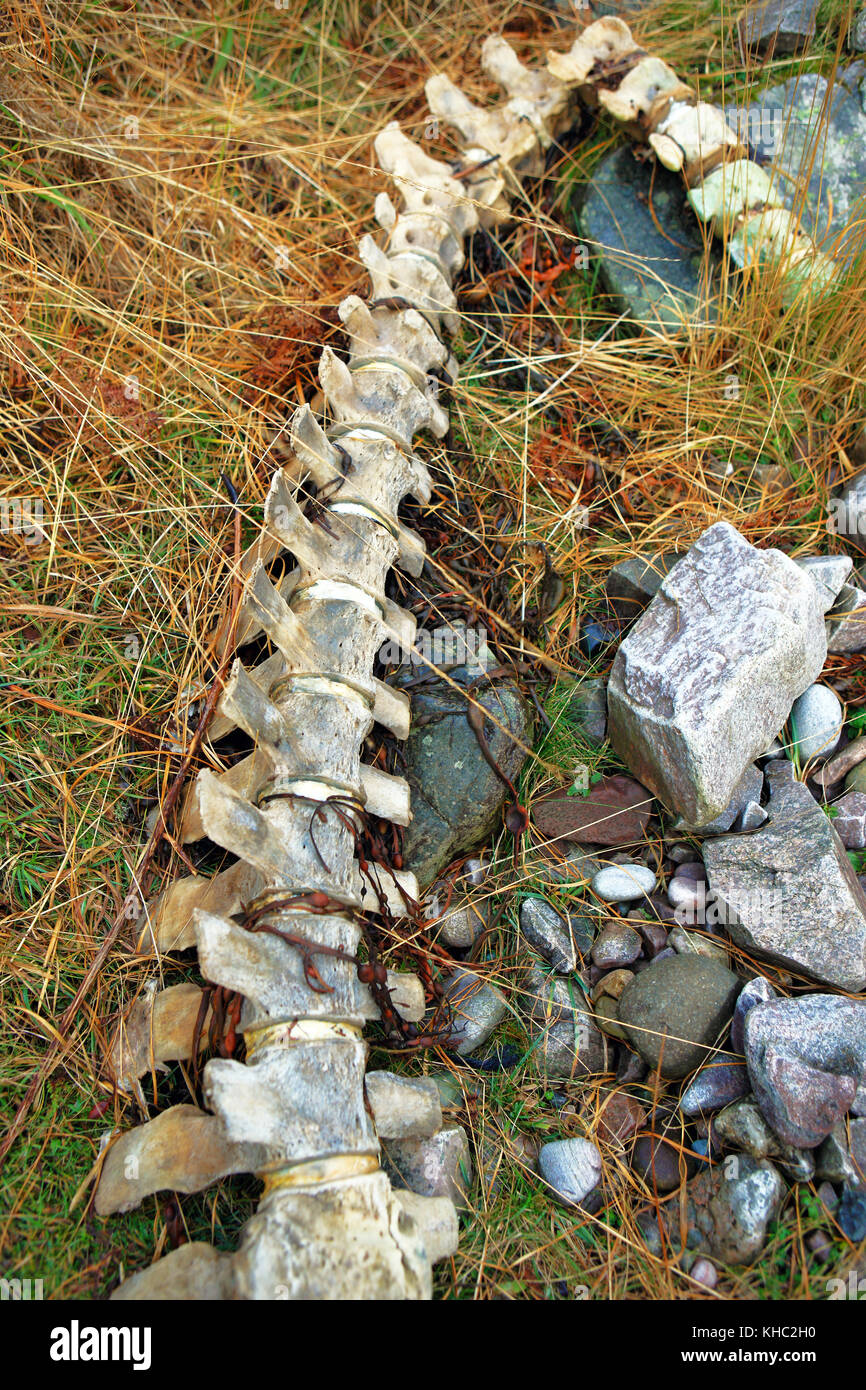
(788, 891)
(849, 822)
(742, 1126)
(457, 799)
(816, 723)
(676, 1009)
(707, 676)
(549, 934)
(751, 817)
(648, 245)
(846, 621)
(477, 1007)
(437, 1167)
(746, 793)
(756, 991)
(565, 1040)
(615, 946)
(404, 1107)
(774, 27)
(733, 1212)
(828, 573)
(632, 583)
(806, 1058)
(857, 33)
(852, 1213)
(715, 1085)
(833, 1157)
(571, 1167)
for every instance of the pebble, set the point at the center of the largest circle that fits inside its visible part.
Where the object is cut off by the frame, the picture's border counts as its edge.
(655, 937)
(756, 991)
(856, 779)
(623, 882)
(616, 946)
(833, 1160)
(550, 936)
(682, 892)
(851, 1215)
(695, 943)
(676, 1010)
(704, 1272)
(658, 1162)
(820, 1245)
(620, 1117)
(463, 924)
(734, 1208)
(715, 1085)
(844, 762)
(816, 723)
(478, 1009)
(742, 1126)
(571, 1168)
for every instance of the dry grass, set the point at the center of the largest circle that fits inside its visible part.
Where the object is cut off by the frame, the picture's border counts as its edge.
(183, 190)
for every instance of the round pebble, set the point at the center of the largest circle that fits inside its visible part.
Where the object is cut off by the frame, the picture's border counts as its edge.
(617, 945)
(704, 1272)
(571, 1167)
(682, 892)
(623, 883)
(816, 723)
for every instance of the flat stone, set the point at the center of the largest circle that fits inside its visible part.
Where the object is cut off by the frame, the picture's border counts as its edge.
(846, 623)
(756, 991)
(614, 811)
(571, 1168)
(457, 799)
(623, 883)
(788, 891)
(676, 1010)
(549, 934)
(742, 1126)
(816, 723)
(707, 677)
(478, 1009)
(806, 1058)
(616, 945)
(844, 763)
(849, 820)
(828, 573)
(651, 254)
(632, 583)
(404, 1107)
(440, 1166)
(566, 1042)
(715, 1086)
(774, 27)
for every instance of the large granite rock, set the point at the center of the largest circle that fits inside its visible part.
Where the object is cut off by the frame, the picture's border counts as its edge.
(652, 253)
(457, 799)
(806, 1059)
(788, 891)
(675, 1010)
(707, 676)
